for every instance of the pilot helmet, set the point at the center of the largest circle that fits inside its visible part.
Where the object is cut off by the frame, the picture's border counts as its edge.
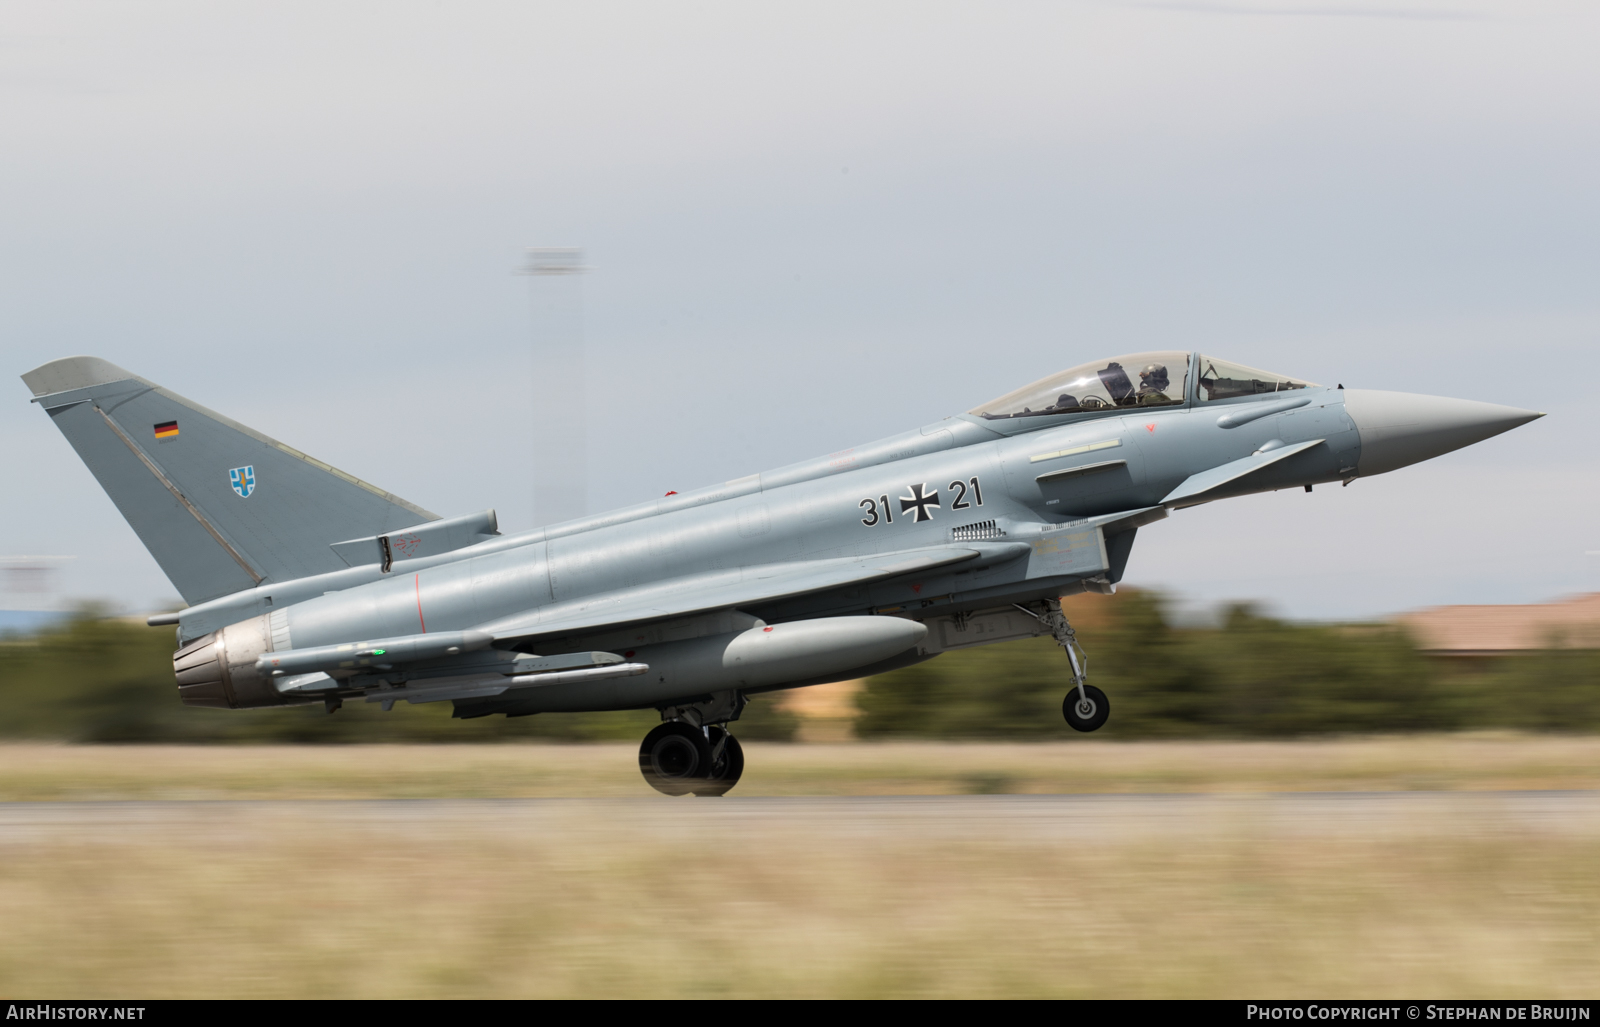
(1154, 375)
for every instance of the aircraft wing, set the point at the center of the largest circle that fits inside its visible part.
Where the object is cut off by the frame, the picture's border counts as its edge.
(744, 586)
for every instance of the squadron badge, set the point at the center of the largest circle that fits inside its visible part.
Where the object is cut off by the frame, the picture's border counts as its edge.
(244, 480)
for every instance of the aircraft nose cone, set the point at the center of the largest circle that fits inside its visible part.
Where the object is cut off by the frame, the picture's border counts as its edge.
(1400, 428)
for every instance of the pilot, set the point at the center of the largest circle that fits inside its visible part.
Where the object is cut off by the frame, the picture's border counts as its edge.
(1153, 385)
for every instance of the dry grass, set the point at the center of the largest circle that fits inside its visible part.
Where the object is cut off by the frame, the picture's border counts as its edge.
(598, 909)
(699, 898)
(1423, 762)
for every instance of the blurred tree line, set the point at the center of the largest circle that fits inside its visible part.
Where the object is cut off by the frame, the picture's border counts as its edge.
(98, 680)
(1252, 676)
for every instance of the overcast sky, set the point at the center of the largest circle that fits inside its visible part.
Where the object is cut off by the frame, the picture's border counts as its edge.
(811, 225)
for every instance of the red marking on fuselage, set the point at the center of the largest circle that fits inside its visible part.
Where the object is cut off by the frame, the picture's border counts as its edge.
(672, 493)
(917, 589)
(418, 579)
(1150, 428)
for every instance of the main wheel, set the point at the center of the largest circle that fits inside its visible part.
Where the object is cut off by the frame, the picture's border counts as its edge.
(1086, 713)
(726, 766)
(674, 758)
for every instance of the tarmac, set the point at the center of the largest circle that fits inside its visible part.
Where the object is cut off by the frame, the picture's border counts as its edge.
(1035, 818)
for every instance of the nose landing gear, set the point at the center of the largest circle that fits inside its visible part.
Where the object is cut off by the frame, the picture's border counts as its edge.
(1086, 708)
(692, 752)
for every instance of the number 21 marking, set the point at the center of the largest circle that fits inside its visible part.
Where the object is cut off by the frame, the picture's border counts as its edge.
(961, 499)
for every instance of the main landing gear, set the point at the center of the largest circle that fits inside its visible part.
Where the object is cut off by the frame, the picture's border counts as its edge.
(1085, 706)
(692, 751)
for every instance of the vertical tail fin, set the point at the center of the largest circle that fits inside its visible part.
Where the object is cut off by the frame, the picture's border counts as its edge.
(221, 507)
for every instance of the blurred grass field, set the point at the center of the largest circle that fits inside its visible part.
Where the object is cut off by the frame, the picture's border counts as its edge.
(364, 915)
(1469, 762)
(614, 897)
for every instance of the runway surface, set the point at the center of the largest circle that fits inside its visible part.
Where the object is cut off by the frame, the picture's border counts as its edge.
(950, 818)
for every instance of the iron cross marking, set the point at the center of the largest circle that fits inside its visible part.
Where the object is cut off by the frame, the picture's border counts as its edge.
(919, 501)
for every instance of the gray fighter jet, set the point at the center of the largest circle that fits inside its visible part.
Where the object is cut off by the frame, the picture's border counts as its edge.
(309, 585)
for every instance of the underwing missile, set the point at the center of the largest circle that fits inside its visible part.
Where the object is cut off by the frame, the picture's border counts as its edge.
(382, 653)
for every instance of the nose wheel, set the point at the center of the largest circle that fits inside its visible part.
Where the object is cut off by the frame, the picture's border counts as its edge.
(1086, 708)
(677, 758)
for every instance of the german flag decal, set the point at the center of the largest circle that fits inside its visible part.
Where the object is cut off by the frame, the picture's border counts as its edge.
(167, 430)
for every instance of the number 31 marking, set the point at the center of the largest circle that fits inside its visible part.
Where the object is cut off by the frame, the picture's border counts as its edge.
(871, 506)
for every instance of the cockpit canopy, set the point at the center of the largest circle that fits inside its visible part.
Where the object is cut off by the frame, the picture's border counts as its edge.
(1141, 379)
(1155, 379)
(1222, 380)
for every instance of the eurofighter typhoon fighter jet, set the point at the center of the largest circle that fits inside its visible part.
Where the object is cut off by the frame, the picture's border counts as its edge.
(308, 585)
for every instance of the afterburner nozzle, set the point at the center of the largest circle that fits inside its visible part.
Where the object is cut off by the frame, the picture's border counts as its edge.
(1402, 428)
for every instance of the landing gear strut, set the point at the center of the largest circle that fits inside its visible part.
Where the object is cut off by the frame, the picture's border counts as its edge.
(692, 751)
(727, 762)
(1085, 706)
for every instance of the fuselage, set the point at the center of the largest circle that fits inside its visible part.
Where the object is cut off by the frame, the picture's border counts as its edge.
(909, 491)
